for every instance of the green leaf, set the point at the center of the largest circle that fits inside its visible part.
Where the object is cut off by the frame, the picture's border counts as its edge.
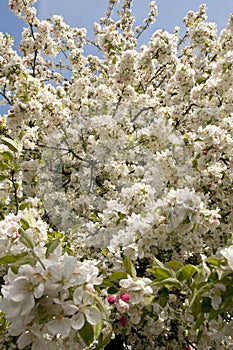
(206, 305)
(7, 155)
(129, 267)
(11, 144)
(163, 301)
(160, 273)
(2, 177)
(213, 261)
(51, 247)
(186, 272)
(24, 75)
(107, 283)
(112, 290)
(174, 265)
(163, 297)
(97, 329)
(26, 239)
(198, 326)
(157, 263)
(196, 297)
(117, 276)
(24, 223)
(87, 334)
(168, 283)
(148, 300)
(9, 259)
(105, 252)
(195, 163)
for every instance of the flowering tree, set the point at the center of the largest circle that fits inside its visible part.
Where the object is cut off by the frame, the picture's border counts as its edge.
(116, 195)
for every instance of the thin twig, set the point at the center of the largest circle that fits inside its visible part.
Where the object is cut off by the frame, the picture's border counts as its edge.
(93, 43)
(35, 53)
(191, 344)
(15, 191)
(140, 112)
(6, 98)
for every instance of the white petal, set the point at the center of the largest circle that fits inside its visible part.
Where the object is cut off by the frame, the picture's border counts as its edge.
(68, 265)
(11, 309)
(39, 344)
(61, 327)
(19, 289)
(24, 340)
(27, 305)
(70, 309)
(228, 254)
(78, 295)
(39, 290)
(93, 315)
(65, 327)
(26, 270)
(16, 328)
(54, 273)
(77, 321)
(216, 301)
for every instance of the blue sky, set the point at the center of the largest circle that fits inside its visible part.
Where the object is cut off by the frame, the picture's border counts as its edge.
(82, 13)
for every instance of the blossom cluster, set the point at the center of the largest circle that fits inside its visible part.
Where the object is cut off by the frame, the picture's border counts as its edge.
(51, 300)
(118, 164)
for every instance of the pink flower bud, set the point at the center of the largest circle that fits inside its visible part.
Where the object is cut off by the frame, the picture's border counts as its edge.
(123, 321)
(125, 297)
(89, 287)
(111, 299)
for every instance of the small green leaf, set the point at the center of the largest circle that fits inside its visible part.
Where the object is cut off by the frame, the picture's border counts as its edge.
(11, 144)
(195, 302)
(168, 283)
(26, 239)
(160, 273)
(174, 265)
(213, 261)
(148, 300)
(157, 263)
(163, 301)
(7, 155)
(112, 290)
(24, 75)
(105, 252)
(206, 305)
(51, 247)
(163, 297)
(98, 328)
(117, 276)
(87, 334)
(9, 259)
(186, 272)
(24, 223)
(107, 283)
(129, 267)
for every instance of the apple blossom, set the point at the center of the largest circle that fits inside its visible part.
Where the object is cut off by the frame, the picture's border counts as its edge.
(115, 196)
